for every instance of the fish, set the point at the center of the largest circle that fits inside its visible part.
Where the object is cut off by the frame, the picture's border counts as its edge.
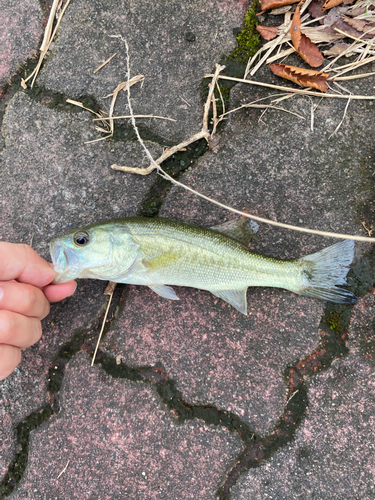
(161, 253)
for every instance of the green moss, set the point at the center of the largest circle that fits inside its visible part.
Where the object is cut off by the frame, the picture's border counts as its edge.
(248, 40)
(334, 320)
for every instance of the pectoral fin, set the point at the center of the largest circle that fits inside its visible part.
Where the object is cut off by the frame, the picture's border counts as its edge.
(236, 298)
(164, 291)
(241, 230)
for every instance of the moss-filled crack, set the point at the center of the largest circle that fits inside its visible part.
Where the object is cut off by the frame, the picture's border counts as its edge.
(334, 328)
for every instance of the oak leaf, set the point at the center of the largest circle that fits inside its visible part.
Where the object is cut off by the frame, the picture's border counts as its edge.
(267, 32)
(303, 45)
(303, 77)
(273, 4)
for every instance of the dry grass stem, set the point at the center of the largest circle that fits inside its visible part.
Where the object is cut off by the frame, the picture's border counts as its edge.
(249, 104)
(139, 116)
(280, 55)
(355, 65)
(203, 134)
(34, 74)
(64, 469)
(343, 118)
(272, 47)
(103, 64)
(155, 166)
(48, 30)
(353, 77)
(110, 288)
(109, 119)
(99, 115)
(295, 91)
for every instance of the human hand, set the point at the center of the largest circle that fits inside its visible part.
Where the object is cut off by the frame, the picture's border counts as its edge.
(25, 296)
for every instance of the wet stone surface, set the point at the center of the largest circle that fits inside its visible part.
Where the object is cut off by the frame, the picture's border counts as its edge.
(216, 355)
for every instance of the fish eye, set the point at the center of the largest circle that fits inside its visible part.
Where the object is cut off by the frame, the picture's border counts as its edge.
(81, 238)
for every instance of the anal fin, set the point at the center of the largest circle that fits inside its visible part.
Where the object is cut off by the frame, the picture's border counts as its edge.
(164, 291)
(236, 298)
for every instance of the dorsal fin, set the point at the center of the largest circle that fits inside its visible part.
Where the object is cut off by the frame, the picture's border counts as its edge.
(241, 230)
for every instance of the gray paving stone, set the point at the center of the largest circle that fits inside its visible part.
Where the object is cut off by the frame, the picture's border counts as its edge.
(52, 181)
(173, 67)
(20, 31)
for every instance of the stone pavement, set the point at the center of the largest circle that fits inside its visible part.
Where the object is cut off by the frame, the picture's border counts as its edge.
(188, 399)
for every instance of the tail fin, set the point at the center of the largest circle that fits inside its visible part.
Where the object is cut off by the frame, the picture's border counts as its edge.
(326, 269)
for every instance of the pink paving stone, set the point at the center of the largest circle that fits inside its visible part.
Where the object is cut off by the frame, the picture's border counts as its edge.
(333, 455)
(25, 391)
(216, 355)
(20, 32)
(121, 442)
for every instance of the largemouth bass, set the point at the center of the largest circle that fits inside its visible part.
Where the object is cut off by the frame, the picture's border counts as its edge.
(162, 252)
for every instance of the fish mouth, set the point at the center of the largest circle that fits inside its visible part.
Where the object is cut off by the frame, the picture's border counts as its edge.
(65, 262)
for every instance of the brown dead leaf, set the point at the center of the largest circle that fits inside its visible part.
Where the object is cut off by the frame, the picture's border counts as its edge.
(329, 4)
(337, 50)
(361, 25)
(346, 28)
(273, 4)
(303, 77)
(267, 32)
(303, 45)
(315, 9)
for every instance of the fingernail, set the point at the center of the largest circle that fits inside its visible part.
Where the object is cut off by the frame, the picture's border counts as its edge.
(1, 293)
(73, 292)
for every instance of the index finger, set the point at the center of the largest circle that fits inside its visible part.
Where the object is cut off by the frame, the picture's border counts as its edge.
(20, 262)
